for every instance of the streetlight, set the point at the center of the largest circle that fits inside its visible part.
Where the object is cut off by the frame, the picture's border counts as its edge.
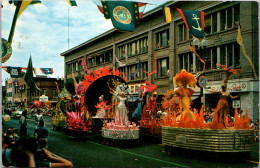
(200, 46)
(21, 90)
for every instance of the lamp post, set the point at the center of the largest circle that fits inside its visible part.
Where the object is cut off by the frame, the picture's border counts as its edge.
(200, 46)
(21, 90)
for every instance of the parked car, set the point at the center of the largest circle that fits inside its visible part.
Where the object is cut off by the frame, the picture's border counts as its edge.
(17, 113)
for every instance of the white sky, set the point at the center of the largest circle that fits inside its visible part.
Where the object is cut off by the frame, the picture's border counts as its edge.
(42, 30)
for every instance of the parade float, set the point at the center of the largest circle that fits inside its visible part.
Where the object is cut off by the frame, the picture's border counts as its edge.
(186, 128)
(59, 117)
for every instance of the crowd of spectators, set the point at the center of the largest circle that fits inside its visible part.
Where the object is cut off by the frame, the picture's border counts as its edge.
(29, 151)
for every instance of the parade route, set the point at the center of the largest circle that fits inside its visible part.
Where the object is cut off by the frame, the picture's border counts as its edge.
(88, 151)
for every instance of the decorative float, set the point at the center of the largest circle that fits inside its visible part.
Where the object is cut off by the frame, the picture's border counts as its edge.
(186, 128)
(119, 128)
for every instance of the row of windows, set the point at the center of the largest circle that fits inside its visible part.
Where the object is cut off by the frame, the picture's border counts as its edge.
(229, 55)
(139, 46)
(228, 19)
(105, 57)
(9, 94)
(75, 66)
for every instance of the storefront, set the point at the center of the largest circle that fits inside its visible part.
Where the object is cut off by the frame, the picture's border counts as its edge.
(247, 89)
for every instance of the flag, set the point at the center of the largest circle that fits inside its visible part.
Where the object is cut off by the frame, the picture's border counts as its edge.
(72, 2)
(47, 71)
(123, 14)
(194, 21)
(35, 71)
(139, 66)
(16, 84)
(167, 14)
(28, 78)
(240, 42)
(20, 7)
(14, 71)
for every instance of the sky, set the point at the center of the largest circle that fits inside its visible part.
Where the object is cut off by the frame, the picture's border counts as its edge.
(42, 31)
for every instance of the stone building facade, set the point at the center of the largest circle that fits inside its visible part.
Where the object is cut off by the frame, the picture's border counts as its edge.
(171, 44)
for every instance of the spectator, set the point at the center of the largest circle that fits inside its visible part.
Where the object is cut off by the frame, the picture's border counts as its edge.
(23, 123)
(6, 153)
(22, 155)
(207, 111)
(252, 125)
(15, 136)
(210, 116)
(38, 118)
(206, 118)
(41, 134)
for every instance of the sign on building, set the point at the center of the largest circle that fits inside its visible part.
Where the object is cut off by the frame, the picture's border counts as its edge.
(43, 98)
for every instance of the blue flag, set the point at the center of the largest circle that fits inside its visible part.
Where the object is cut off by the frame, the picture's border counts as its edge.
(16, 84)
(47, 71)
(124, 14)
(194, 21)
(14, 71)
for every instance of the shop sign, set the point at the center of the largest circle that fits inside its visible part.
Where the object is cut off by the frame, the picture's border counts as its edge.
(231, 87)
(135, 88)
(43, 98)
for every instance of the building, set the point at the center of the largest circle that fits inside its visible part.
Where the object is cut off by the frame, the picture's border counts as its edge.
(171, 43)
(21, 96)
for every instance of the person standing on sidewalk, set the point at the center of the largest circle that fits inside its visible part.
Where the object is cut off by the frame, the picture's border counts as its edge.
(23, 124)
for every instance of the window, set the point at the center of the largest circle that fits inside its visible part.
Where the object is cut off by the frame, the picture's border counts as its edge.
(184, 33)
(145, 68)
(230, 55)
(186, 62)
(228, 17)
(69, 68)
(44, 91)
(163, 66)
(214, 23)
(91, 61)
(207, 28)
(80, 67)
(53, 92)
(162, 39)
(108, 56)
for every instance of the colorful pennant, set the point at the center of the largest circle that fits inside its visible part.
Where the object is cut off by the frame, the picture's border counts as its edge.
(167, 14)
(16, 84)
(47, 71)
(72, 2)
(14, 71)
(194, 21)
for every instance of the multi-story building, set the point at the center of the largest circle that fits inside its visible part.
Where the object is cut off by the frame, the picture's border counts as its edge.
(21, 95)
(171, 43)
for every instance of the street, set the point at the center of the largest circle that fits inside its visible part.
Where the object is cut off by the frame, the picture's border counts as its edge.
(88, 151)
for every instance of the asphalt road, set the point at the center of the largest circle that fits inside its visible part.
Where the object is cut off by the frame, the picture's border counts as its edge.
(88, 151)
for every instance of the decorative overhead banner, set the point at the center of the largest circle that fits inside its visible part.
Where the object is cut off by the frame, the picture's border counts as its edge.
(194, 21)
(47, 71)
(6, 50)
(167, 14)
(72, 2)
(16, 84)
(123, 14)
(14, 71)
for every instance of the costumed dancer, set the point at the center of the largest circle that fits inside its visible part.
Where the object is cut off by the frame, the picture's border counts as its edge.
(101, 111)
(138, 111)
(183, 79)
(223, 107)
(121, 114)
(152, 106)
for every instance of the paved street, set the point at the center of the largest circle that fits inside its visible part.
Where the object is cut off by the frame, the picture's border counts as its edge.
(88, 151)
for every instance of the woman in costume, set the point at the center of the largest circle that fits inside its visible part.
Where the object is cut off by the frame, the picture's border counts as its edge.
(138, 111)
(121, 114)
(152, 106)
(101, 107)
(183, 79)
(223, 107)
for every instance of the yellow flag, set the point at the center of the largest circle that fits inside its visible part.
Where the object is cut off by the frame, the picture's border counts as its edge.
(240, 42)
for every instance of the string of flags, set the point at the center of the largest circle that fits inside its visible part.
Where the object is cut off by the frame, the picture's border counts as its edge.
(16, 84)
(16, 72)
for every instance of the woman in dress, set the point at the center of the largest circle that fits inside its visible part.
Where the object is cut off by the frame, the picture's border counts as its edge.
(121, 114)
